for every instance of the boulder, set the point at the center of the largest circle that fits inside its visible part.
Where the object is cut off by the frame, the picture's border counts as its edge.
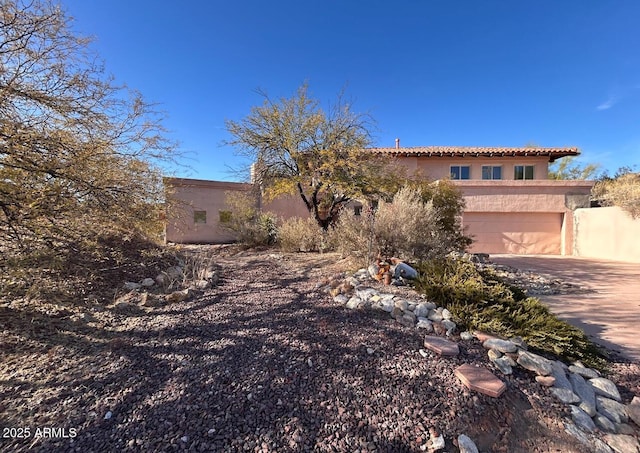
(499, 345)
(585, 392)
(605, 387)
(535, 363)
(582, 419)
(611, 409)
(466, 445)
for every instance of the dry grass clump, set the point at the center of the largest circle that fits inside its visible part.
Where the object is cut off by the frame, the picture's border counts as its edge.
(623, 191)
(409, 227)
(302, 235)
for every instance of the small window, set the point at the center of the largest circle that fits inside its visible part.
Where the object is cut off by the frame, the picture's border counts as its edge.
(491, 172)
(460, 172)
(357, 210)
(200, 217)
(225, 216)
(523, 172)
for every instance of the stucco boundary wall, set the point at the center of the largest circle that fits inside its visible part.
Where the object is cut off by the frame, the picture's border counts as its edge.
(606, 233)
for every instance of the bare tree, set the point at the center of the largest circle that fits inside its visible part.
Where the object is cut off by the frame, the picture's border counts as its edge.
(78, 153)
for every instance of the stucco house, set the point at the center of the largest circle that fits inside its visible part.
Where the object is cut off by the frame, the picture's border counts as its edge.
(511, 206)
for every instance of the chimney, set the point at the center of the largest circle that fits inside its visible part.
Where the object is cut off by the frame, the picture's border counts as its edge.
(397, 143)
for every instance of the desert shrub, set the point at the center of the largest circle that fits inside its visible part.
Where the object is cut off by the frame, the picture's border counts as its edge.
(352, 236)
(251, 227)
(480, 300)
(623, 191)
(448, 204)
(302, 235)
(409, 227)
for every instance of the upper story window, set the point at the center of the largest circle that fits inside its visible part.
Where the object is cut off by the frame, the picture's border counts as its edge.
(460, 172)
(523, 171)
(491, 172)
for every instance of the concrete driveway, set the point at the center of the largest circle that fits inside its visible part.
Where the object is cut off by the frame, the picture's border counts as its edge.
(609, 316)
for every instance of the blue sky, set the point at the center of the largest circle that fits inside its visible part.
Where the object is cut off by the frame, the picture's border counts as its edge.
(458, 73)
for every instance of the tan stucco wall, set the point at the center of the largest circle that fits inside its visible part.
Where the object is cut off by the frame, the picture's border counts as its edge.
(607, 233)
(439, 167)
(188, 195)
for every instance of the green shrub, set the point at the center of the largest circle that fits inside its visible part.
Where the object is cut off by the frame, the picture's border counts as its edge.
(479, 300)
(302, 235)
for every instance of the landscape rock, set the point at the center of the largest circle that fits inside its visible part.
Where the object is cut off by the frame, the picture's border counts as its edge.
(503, 364)
(622, 443)
(421, 310)
(354, 303)
(587, 373)
(408, 319)
(494, 354)
(466, 336)
(633, 410)
(611, 409)
(424, 323)
(178, 296)
(437, 443)
(604, 423)
(466, 445)
(606, 388)
(547, 381)
(499, 345)
(582, 419)
(565, 395)
(449, 326)
(558, 373)
(535, 363)
(446, 314)
(401, 304)
(435, 315)
(341, 299)
(147, 282)
(387, 305)
(403, 270)
(585, 392)
(132, 286)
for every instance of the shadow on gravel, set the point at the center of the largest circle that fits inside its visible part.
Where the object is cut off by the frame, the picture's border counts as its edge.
(261, 363)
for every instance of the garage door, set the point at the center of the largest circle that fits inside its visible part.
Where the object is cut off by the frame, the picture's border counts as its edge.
(529, 233)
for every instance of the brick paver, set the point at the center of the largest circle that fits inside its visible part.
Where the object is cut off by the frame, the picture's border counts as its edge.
(441, 346)
(480, 380)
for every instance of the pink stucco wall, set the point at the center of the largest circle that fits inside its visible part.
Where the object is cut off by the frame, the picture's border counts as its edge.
(522, 217)
(439, 167)
(188, 195)
(507, 216)
(607, 233)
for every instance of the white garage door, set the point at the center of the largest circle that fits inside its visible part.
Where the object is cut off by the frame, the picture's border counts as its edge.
(528, 233)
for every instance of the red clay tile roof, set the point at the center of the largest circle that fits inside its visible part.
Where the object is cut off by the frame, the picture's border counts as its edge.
(474, 151)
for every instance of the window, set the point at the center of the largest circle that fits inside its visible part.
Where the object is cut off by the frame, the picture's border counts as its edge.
(523, 172)
(491, 172)
(225, 216)
(460, 172)
(357, 210)
(199, 216)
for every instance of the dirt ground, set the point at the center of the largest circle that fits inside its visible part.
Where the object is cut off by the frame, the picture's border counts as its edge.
(265, 361)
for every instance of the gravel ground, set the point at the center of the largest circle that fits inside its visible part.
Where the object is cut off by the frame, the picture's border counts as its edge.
(263, 362)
